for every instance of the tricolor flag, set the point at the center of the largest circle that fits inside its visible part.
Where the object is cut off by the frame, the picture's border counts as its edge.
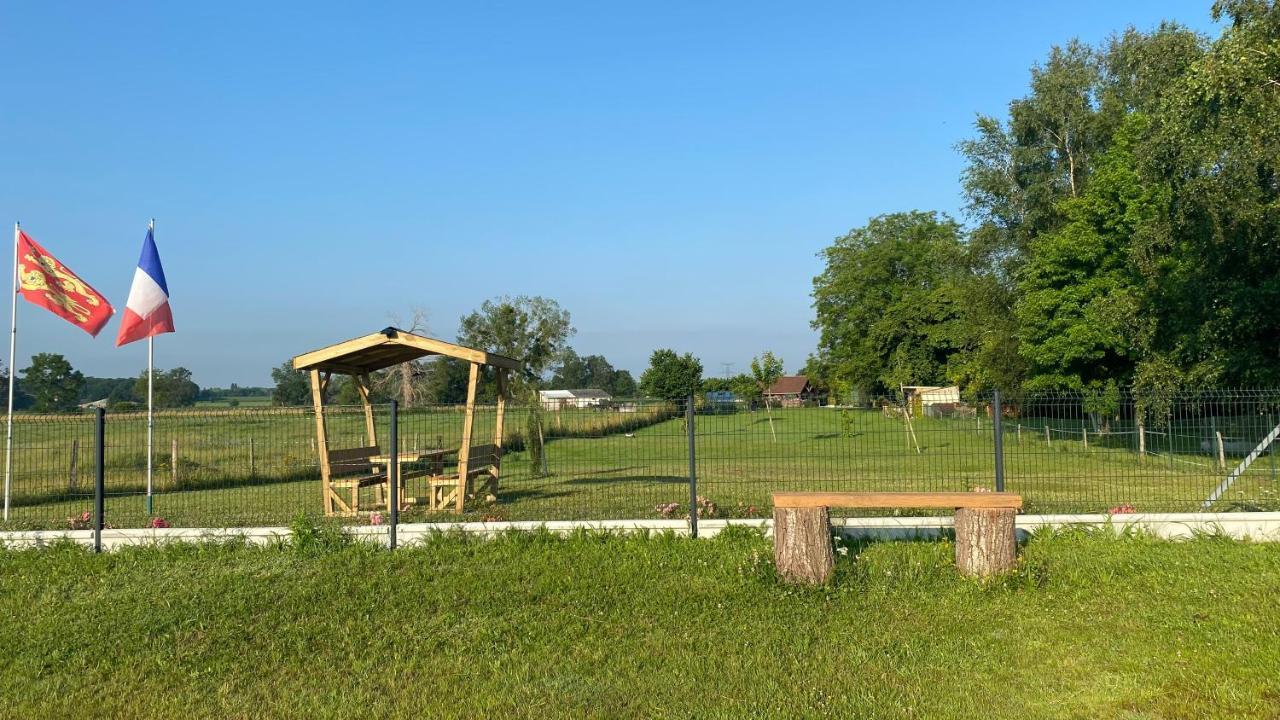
(147, 311)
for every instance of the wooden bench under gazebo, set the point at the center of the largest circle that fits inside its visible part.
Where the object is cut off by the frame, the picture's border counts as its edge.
(345, 472)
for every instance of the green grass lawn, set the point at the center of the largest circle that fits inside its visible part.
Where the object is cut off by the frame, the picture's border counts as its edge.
(531, 626)
(259, 466)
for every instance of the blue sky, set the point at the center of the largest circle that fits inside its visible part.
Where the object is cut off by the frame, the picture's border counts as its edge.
(666, 171)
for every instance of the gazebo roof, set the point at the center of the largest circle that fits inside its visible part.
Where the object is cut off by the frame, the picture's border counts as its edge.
(391, 346)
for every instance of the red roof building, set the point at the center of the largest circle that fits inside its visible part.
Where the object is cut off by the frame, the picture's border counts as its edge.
(791, 391)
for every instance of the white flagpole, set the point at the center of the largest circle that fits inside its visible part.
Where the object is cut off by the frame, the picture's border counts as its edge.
(13, 347)
(151, 227)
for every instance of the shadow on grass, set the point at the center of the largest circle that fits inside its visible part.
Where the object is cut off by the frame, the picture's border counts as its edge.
(164, 487)
(665, 479)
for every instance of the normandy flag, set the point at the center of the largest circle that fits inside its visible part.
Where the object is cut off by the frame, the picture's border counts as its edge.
(44, 281)
(147, 311)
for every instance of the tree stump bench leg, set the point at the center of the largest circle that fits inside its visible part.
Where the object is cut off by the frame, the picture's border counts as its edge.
(985, 541)
(802, 545)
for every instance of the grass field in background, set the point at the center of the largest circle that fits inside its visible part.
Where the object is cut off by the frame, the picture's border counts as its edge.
(259, 466)
(530, 626)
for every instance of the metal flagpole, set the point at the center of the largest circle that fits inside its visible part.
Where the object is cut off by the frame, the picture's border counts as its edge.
(151, 227)
(13, 347)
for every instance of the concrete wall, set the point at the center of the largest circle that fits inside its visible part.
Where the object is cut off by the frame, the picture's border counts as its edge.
(1260, 527)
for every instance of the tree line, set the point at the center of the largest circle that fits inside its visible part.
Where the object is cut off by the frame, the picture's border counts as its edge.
(51, 384)
(1123, 226)
(535, 330)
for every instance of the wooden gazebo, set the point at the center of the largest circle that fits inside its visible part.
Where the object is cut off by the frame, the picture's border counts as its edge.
(351, 469)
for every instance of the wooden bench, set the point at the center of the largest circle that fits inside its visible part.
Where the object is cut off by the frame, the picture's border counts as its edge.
(350, 470)
(984, 526)
(483, 461)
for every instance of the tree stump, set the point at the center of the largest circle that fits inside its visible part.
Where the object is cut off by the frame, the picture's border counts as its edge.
(802, 545)
(985, 541)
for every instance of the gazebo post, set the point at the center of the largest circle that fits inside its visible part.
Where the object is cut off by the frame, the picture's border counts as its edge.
(362, 384)
(464, 452)
(322, 440)
(501, 374)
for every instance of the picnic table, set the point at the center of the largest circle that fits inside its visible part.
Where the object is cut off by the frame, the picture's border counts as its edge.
(433, 458)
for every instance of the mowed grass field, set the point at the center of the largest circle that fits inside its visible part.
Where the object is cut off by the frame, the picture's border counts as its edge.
(259, 466)
(531, 626)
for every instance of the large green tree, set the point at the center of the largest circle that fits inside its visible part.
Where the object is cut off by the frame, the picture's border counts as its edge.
(671, 376)
(52, 383)
(533, 330)
(886, 301)
(1211, 262)
(291, 386)
(1081, 309)
(172, 388)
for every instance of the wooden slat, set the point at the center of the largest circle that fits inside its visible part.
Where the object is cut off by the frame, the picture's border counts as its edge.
(897, 499)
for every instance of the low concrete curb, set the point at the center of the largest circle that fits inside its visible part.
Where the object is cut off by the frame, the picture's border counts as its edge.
(1258, 527)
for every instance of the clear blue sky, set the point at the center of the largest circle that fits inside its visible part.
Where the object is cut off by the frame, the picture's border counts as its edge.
(666, 171)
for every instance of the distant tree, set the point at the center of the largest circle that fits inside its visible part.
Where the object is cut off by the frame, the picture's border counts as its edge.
(765, 371)
(444, 381)
(404, 381)
(533, 330)
(292, 386)
(591, 371)
(622, 385)
(173, 388)
(671, 376)
(52, 383)
(21, 400)
(114, 390)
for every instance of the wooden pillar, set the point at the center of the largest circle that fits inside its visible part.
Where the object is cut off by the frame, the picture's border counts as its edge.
(498, 431)
(371, 431)
(322, 440)
(464, 452)
(985, 541)
(802, 545)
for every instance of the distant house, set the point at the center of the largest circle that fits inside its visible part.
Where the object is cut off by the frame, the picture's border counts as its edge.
(791, 391)
(561, 399)
(95, 404)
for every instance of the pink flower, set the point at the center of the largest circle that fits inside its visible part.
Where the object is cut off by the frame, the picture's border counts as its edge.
(1125, 509)
(158, 522)
(375, 519)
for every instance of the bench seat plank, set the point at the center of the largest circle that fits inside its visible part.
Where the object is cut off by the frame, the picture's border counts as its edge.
(950, 500)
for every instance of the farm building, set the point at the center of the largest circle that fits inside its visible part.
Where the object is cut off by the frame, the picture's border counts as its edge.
(562, 399)
(931, 400)
(791, 391)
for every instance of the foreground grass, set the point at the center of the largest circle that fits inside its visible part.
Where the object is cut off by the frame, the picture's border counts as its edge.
(532, 626)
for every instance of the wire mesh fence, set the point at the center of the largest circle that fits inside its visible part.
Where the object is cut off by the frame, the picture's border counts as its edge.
(1063, 452)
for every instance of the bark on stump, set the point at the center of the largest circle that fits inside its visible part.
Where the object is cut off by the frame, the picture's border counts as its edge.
(985, 541)
(802, 545)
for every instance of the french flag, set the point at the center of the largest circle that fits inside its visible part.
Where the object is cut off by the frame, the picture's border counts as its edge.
(147, 312)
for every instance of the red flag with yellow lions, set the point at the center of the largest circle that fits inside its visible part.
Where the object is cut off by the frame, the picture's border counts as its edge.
(44, 281)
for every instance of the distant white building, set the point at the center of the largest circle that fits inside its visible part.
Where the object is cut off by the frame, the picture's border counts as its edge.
(561, 399)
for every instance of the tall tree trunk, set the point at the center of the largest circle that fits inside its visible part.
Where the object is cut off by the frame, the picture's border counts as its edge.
(769, 412)
(406, 384)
